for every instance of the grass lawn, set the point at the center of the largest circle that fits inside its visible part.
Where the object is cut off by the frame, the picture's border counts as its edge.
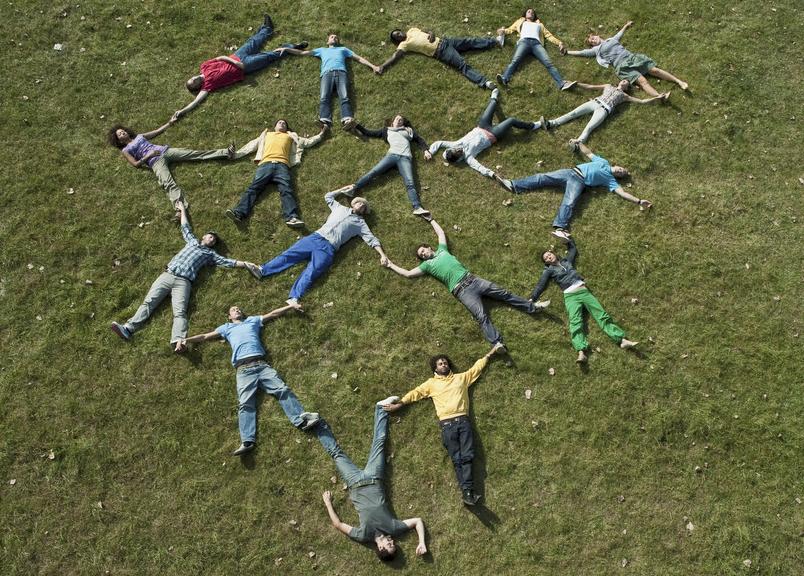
(685, 458)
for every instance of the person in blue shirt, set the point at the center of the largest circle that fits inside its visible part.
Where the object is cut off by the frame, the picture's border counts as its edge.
(253, 371)
(334, 77)
(597, 172)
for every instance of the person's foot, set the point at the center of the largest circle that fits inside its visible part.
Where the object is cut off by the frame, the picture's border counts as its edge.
(495, 94)
(230, 151)
(504, 182)
(301, 45)
(295, 222)
(502, 80)
(244, 448)
(561, 234)
(541, 305)
(348, 123)
(267, 22)
(234, 216)
(421, 211)
(325, 122)
(500, 40)
(254, 269)
(310, 420)
(581, 359)
(121, 330)
(388, 401)
(347, 190)
(469, 497)
(540, 124)
(567, 84)
(573, 145)
(488, 85)
(499, 348)
(626, 344)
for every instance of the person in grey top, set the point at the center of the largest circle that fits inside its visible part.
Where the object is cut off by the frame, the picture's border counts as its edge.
(628, 65)
(367, 491)
(177, 280)
(319, 247)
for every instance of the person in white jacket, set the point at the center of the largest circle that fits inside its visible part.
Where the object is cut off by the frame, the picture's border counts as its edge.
(276, 152)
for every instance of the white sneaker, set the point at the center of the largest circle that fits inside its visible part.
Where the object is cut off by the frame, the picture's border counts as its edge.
(541, 305)
(501, 40)
(581, 359)
(495, 93)
(421, 211)
(626, 344)
(388, 401)
(504, 182)
(561, 234)
(292, 301)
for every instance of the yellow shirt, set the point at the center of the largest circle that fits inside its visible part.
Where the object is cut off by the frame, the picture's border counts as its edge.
(418, 41)
(543, 33)
(450, 393)
(277, 148)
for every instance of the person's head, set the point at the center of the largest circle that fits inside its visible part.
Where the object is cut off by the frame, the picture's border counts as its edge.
(530, 14)
(549, 258)
(281, 125)
(441, 364)
(194, 84)
(386, 547)
(619, 172)
(398, 36)
(209, 239)
(119, 136)
(453, 155)
(398, 121)
(424, 252)
(360, 205)
(593, 40)
(624, 85)
(235, 313)
(333, 40)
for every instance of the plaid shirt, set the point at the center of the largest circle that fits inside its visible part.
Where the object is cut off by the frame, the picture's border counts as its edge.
(194, 256)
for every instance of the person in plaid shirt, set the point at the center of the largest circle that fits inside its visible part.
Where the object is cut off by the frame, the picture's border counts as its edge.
(177, 279)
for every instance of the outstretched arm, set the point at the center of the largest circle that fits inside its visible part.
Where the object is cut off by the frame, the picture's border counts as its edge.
(333, 516)
(641, 202)
(296, 51)
(394, 57)
(364, 62)
(627, 25)
(158, 131)
(590, 86)
(198, 99)
(585, 150)
(413, 273)
(232, 61)
(280, 311)
(418, 524)
(442, 238)
(181, 345)
(662, 96)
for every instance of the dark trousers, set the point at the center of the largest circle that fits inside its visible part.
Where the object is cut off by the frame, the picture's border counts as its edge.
(486, 121)
(267, 173)
(456, 434)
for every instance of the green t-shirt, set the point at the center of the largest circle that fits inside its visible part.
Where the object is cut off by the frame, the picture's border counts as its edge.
(369, 501)
(445, 267)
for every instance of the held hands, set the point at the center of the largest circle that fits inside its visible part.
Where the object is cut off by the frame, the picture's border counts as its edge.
(175, 117)
(327, 496)
(562, 48)
(644, 204)
(181, 346)
(384, 261)
(392, 407)
(428, 155)
(377, 70)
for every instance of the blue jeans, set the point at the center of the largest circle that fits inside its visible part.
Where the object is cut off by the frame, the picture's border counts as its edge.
(250, 55)
(533, 46)
(314, 248)
(471, 290)
(568, 178)
(457, 437)
(598, 112)
(487, 118)
(249, 378)
(267, 173)
(375, 466)
(405, 166)
(334, 80)
(449, 52)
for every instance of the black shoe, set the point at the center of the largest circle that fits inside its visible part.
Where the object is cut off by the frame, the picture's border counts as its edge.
(501, 80)
(234, 216)
(267, 22)
(301, 45)
(310, 420)
(245, 448)
(470, 498)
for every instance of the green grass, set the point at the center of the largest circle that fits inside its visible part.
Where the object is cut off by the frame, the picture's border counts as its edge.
(597, 468)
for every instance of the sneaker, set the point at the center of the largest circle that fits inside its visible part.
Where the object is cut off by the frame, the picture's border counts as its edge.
(325, 122)
(541, 305)
(581, 359)
(626, 344)
(542, 123)
(347, 190)
(255, 270)
(121, 330)
(500, 348)
(504, 182)
(301, 45)
(500, 40)
(488, 85)
(267, 22)
(295, 222)
(348, 123)
(234, 216)
(244, 448)
(495, 94)
(567, 84)
(502, 80)
(573, 145)
(292, 301)
(561, 234)
(388, 401)
(311, 420)
(421, 211)
(470, 498)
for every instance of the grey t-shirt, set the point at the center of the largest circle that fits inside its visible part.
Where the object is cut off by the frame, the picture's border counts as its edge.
(372, 508)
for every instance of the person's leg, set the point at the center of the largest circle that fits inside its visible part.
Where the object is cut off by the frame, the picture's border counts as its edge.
(586, 108)
(247, 379)
(262, 178)
(287, 198)
(321, 258)
(646, 87)
(503, 127)
(541, 55)
(342, 86)
(272, 384)
(324, 108)
(457, 440)
(447, 54)
(254, 43)
(574, 306)
(346, 468)
(486, 119)
(180, 300)
(598, 116)
(299, 252)
(537, 181)
(260, 61)
(175, 155)
(665, 75)
(489, 289)
(161, 170)
(521, 50)
(156, 293)
(375, 465)
(381, 167)
(405, 167)
(467, 44)
(573, 189)
(472, 300)
(601, 316)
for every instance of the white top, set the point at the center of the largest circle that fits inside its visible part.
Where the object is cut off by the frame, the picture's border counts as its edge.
(531, 30)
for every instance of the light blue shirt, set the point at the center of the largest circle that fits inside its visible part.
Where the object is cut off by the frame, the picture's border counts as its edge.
(598, 173)
(343, 225)
(243, 337)
(332, 57)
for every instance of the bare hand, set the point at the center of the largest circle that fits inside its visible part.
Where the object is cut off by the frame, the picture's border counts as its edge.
(431, 37)
(427, 155)
(377, 70)
(421, 550)
(629, 24)
(645, 204)
(175, 117)
(562, 48)
(384, 261)
(327, 497)
(392, 407)
(181, 346)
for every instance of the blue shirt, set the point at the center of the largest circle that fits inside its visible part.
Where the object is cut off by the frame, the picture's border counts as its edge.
(243, 337)
(598, 173)
(332, 57)
(343, 225)
(189, 261)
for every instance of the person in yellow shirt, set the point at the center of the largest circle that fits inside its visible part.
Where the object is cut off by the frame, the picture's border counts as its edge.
(447, 50)
(450, 394)
(276, 152)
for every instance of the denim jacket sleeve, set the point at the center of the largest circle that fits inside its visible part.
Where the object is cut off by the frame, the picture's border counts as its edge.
(542, 284)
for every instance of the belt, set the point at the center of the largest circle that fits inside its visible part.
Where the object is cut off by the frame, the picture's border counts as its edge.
(250, 361)
(169, 271)
(364, 482)
(454, 420)
(463, 282)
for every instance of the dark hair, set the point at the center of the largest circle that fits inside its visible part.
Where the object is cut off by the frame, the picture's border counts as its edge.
(385, 555)
(393, 34)
(452, 155)
(419, 247)
(548, 252)
(436, 358)
(390, 121)
(194, 84)
(214, 235)
(112, 138)
(278, 120)
(525, 12)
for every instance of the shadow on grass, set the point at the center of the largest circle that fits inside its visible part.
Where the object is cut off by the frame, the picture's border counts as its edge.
(488, 518)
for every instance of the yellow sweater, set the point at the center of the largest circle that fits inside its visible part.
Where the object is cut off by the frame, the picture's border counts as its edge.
(544, 32)
(450, 393)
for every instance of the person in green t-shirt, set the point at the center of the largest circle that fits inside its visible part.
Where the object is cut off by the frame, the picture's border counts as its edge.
(464, 285)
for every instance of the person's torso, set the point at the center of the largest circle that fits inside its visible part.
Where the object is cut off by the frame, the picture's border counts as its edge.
(418, 41)
(399, 141)
(219, 74)
(277, 147)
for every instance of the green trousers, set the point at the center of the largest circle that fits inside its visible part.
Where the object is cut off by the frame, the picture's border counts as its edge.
(575, 302)
(161, 167)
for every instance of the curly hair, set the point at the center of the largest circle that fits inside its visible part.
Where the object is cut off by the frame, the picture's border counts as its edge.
(436, 358)
(112, 138)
